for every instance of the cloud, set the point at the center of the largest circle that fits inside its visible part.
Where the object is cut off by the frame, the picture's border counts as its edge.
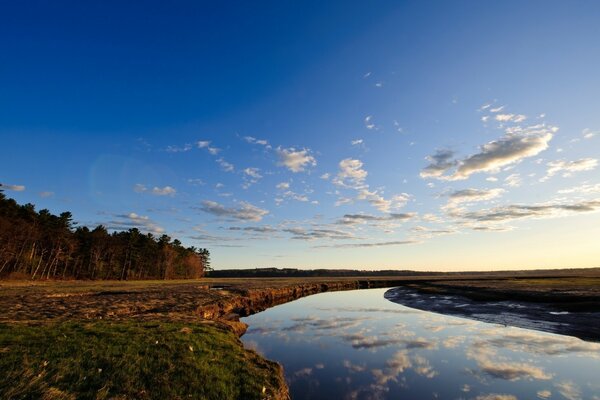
(283, 185)
(312, 234)
(513, 180)
(517, 211)
(369, 124)
(246, 211)
(157, 191)
(356, 142)
(46, 194)
(325, 176)
(133, 220)
(253, 173)
(544, 394)
(495, 396)
(569, 167)
(226, 166)
(352, 219)
(351, 174)
(373, 244)
(473, 195)
(439, 163)
(295, 160)
(164, 191)
(254, 229)
(205, 144)
(16, 188)
(497, 109)
(510, 117)
(261, 142)
(517, 144)
(583, 189)
(588, 133)
(179, 149)
(382, 204)
(569, 390)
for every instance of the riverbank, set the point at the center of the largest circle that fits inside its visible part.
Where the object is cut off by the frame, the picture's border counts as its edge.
(208, 308)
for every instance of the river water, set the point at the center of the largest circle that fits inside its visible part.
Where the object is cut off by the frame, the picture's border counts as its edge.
(358, 345)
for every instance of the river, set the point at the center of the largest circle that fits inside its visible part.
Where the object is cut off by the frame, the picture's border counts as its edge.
(359, 345)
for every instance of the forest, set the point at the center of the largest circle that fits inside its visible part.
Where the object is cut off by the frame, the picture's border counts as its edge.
(41, 245)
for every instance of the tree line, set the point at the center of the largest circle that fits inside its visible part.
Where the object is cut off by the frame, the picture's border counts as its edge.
(41, 245)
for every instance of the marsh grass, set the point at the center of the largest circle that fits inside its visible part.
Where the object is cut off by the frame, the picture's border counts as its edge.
(130, 360)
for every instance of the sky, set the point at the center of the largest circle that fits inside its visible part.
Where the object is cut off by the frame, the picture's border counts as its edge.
(425, 135)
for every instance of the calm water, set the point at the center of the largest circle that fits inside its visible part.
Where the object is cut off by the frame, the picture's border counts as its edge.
(358, 345)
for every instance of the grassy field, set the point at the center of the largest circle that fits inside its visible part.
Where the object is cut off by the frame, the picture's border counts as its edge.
(130, 360)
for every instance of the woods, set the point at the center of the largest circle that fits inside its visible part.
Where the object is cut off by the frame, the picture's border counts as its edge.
(40, 245)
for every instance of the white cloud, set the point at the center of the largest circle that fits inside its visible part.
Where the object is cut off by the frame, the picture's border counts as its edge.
(246, 211)
(164, 191)
(325, 176)
(283, 185)
(295, 160)
(226, 166)
(351, 174)
(569, 167)
(510, 118)
(205, 144)
(262, 142)
(357, 142)
(517, 144)
(496, 396)
(369, 124)
(513, 180)
(588, 133)
(16, 188)
(46, 194)
(253, 173)
(157, 191)
(382, 204)
(497, 109)
(582, 189)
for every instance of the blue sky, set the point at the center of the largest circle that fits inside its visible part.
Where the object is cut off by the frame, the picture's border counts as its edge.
(423, 135)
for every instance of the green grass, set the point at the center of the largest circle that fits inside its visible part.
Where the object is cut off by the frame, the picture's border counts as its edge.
(130, 360)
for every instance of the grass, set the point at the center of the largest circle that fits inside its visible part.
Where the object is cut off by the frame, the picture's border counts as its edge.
(130, 360)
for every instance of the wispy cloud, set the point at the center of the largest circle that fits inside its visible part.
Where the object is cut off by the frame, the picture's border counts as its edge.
(372, 244)
(517, 211)
(16, 188)
(261, 142)
(352, 219)
(245, 212)
(473, 195)
(567, 168)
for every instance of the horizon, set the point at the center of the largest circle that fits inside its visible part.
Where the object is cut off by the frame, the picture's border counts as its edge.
(413, 136)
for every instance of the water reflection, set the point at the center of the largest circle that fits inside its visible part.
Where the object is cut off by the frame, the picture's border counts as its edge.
(357, 345)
